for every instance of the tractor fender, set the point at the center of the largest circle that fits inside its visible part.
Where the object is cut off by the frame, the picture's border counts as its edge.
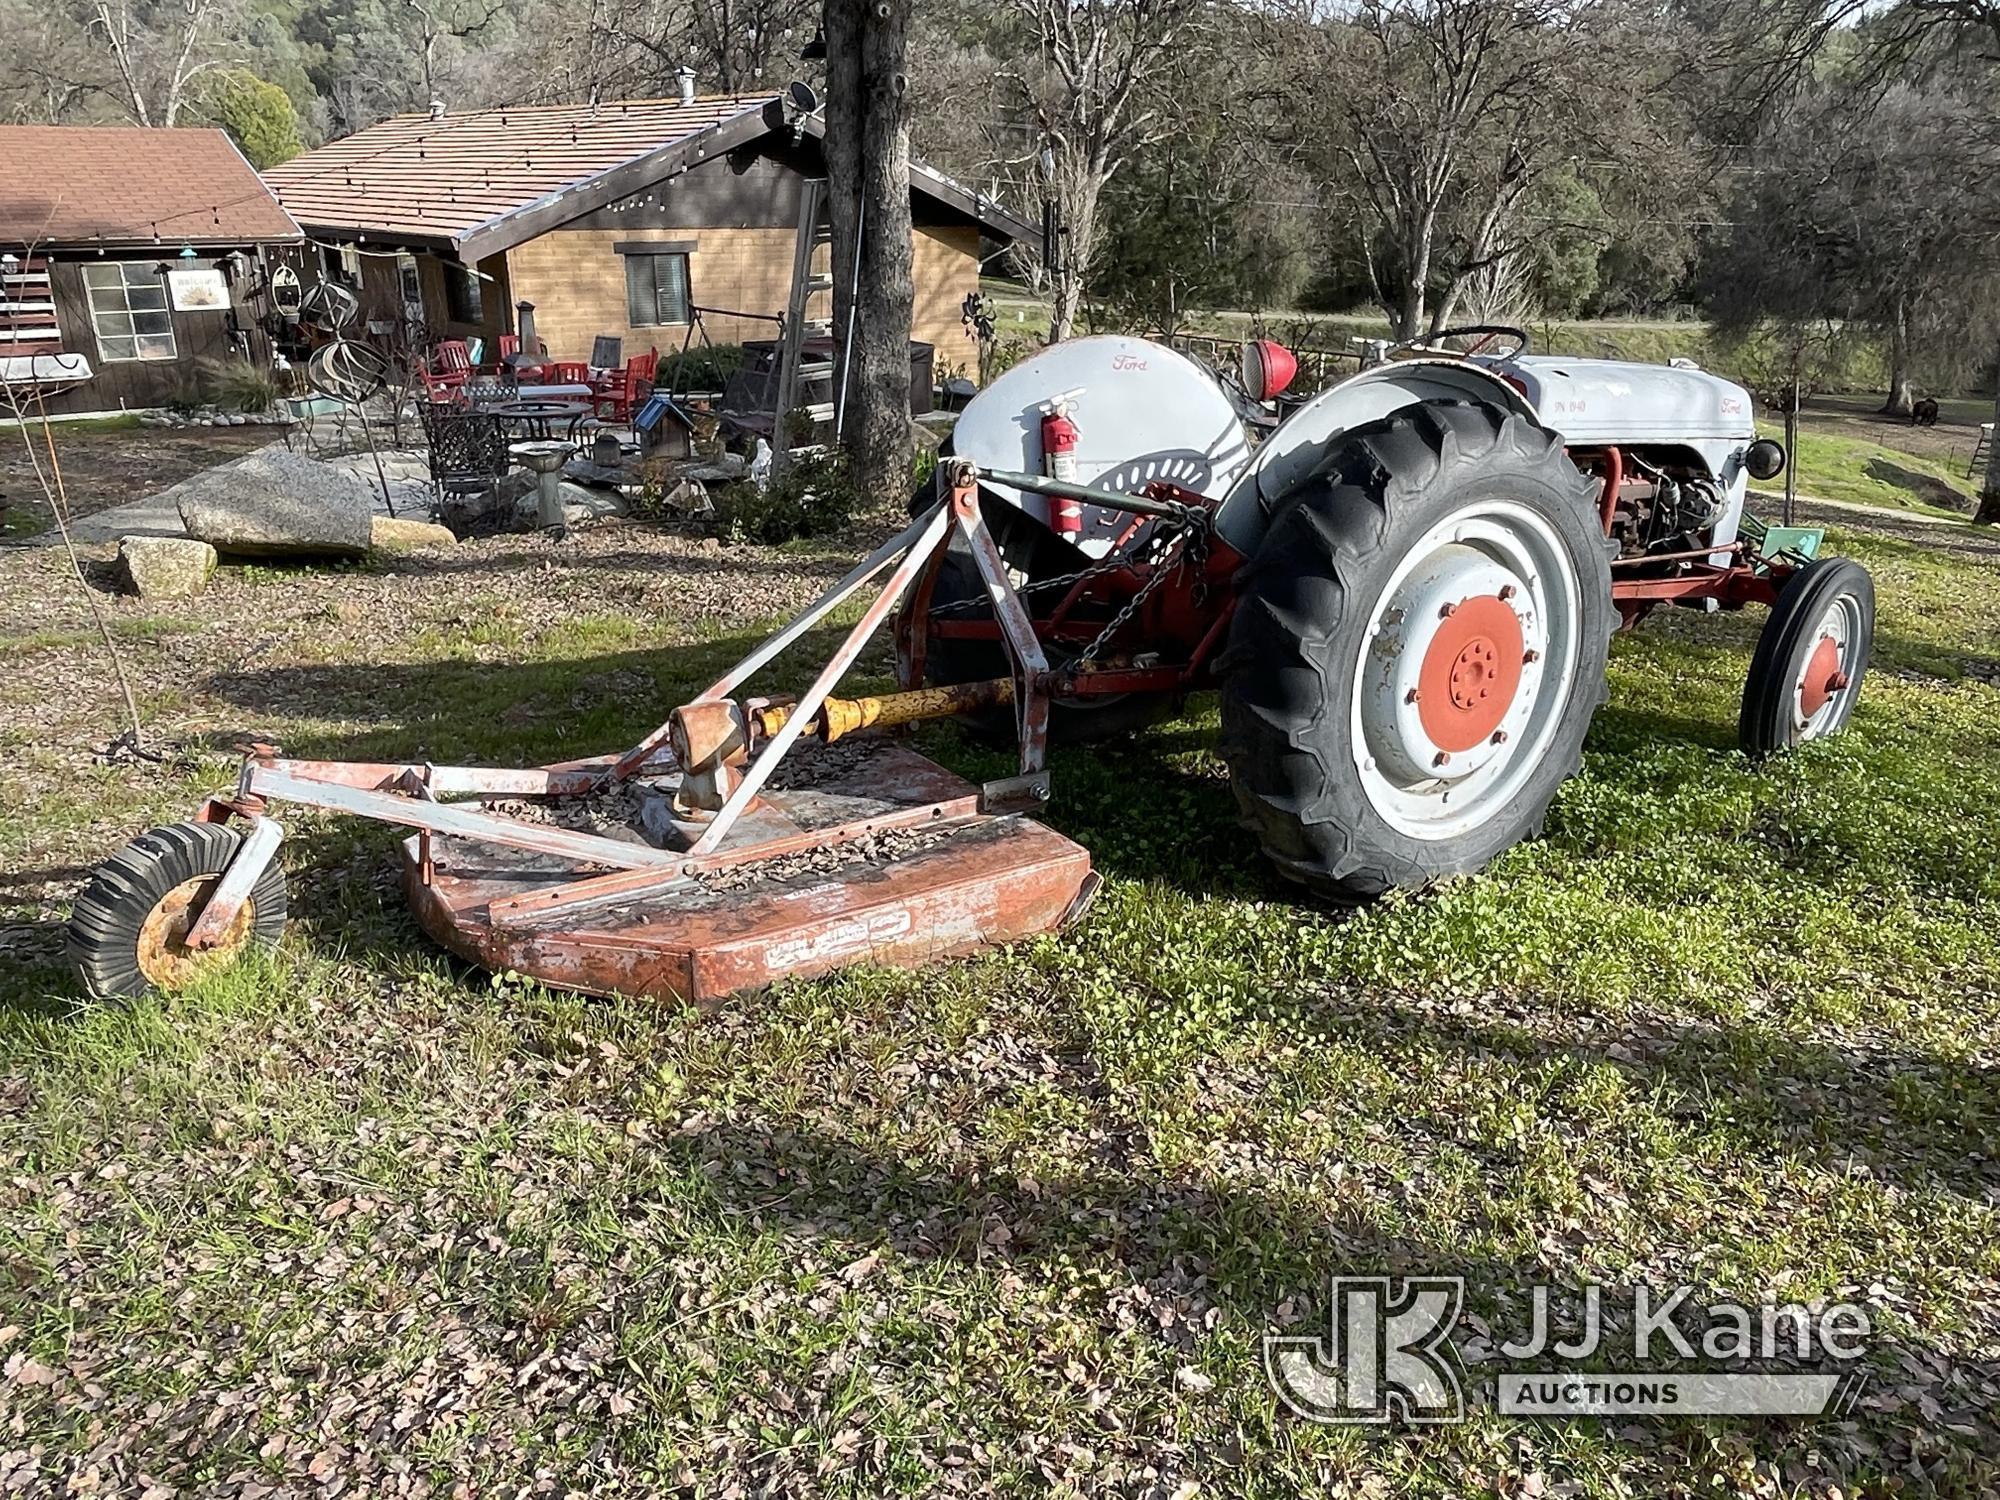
(1291, 453)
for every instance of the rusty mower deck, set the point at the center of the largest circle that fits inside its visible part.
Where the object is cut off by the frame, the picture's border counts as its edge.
(744, 839)
(934, 879)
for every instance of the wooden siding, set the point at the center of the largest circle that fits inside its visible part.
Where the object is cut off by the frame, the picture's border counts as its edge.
(133, 385)
(576, 279)
(945, 268)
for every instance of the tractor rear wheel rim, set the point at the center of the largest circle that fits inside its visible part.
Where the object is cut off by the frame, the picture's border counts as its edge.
(164, 956)
(1825, 684)
(1466, 669)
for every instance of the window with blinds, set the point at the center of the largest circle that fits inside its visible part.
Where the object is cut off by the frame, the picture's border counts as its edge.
(28, 309)
(128, 310)
(656, 289)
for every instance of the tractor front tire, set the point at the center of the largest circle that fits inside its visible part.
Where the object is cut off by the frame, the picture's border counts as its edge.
(127, 929)
(1811, 656)
(1418, 647)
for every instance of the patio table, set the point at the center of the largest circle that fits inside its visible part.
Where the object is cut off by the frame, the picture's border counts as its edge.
(538, 418)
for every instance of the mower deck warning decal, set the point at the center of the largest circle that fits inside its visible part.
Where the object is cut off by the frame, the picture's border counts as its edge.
(840, 939)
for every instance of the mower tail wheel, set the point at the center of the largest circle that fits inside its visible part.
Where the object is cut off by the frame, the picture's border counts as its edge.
(128, 929)
(1806, 673)
(1418, 647)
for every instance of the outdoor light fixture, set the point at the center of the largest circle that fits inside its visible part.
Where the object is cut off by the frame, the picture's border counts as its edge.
(187, 252)
(814, 50)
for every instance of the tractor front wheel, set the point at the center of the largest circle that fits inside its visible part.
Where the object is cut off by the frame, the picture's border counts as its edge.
(1418, 647)
(128, 929)
(1806, 673)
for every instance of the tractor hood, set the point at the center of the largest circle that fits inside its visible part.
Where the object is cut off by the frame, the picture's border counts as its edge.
(1615, 401)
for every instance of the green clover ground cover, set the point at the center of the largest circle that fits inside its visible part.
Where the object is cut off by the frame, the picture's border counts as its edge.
(358, 1214)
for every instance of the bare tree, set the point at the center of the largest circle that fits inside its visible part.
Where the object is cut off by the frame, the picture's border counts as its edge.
(438, 21)
(1439, 126)
(157, 50)
(733, 46)
(1093, 102)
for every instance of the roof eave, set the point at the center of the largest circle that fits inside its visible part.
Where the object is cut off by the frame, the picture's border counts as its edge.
(989, 213)
(166, 244)
(519, 225)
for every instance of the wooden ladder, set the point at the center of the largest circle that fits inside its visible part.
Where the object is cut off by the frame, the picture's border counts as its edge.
(809, 280)
(1981, 450)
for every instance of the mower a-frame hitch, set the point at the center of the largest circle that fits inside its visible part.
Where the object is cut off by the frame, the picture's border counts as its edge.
(725, 861)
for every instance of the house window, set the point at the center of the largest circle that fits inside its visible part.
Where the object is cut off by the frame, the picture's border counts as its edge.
(656, 289)
(461, 295)
(128, 310)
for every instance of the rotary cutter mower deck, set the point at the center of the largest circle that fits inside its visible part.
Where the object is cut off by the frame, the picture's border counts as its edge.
(1404, 591)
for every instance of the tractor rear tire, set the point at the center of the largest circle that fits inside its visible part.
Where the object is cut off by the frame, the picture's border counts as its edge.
(1032, 553)
(1418, 647)
(126, 927)
(1811, 656)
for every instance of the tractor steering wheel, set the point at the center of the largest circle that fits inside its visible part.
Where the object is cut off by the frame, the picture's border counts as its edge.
(1517, 340)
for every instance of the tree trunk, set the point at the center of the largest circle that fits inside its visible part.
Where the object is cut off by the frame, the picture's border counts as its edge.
(1902, 398)
(868, 183)
(1989, 486)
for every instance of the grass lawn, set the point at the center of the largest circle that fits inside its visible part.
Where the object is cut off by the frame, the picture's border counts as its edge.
(1863, 471)
(361, 1219)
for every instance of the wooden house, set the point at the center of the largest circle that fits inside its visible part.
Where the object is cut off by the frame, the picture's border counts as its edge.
(131, 260)
(630, 219)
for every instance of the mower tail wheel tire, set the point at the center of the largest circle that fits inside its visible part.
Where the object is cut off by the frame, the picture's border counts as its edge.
(1805, 675)
(128, 929)
(1418, 647)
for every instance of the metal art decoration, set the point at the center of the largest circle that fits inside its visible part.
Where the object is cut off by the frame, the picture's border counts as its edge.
(348, 371)
(330, 306)
(351, 372)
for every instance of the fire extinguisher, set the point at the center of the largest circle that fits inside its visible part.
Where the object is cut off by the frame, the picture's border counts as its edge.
(1059, 462)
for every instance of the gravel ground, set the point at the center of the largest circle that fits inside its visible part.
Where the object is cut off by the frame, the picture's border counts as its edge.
(103, 468)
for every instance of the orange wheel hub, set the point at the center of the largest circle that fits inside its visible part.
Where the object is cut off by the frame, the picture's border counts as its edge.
(1823, 677)
(164, 956)
(1470, 674)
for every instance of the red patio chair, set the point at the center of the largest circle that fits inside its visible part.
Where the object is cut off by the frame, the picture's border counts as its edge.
(451, 361)
(622, 394)
(566, 372)
(442, 388)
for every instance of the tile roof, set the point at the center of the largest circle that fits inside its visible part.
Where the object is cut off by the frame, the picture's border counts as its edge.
(413, 176)
(84, 184)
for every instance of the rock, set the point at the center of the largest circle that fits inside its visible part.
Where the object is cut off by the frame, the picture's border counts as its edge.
(236, 419)
(394, 533)
(582, 506)
(923, 439)
(272, 503)
(164, 567)
(726, 468)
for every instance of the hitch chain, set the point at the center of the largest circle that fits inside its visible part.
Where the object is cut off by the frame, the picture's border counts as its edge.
(1193, 540)
(1193, 534)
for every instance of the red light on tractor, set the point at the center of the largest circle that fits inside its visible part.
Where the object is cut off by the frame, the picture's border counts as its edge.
(1267, 368)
